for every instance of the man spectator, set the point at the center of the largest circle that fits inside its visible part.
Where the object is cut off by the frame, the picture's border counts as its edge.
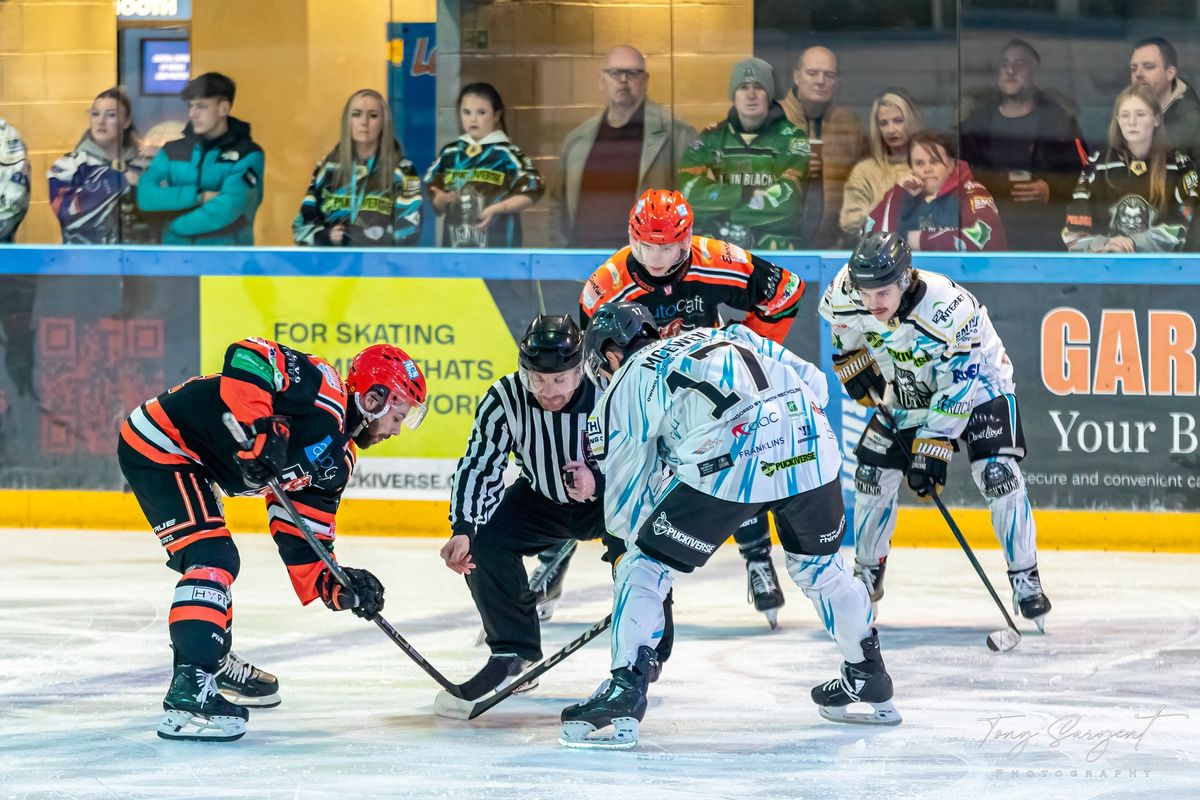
(746, 176)
(1155, 63)
(14, 182)
(612, 158)
(1027, 149)
(209, 183)
(834, 132)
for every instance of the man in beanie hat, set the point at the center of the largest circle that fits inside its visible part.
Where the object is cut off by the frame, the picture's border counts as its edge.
(746, 176)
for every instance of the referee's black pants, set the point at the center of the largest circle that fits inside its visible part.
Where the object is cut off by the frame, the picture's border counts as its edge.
(524, 524)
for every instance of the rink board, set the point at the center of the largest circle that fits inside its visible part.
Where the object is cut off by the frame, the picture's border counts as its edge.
(1104, 353)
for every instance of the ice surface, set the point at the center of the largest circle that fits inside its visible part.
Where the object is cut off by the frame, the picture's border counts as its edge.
(84, 663)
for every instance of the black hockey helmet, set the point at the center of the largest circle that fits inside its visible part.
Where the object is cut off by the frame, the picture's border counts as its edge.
(880, 259)
(552, 343)
(615, 324)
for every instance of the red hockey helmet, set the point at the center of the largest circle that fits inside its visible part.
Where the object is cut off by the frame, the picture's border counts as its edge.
(660, 216)
(389, 372)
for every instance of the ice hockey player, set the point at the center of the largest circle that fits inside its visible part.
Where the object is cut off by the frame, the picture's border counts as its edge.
(695, 435)
(926, 346)
(538, 414)
(304, 424)
(682, 280)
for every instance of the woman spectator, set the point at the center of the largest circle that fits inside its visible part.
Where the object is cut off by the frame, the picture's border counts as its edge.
(894, 119)
(482, 181)
(92, 188)
(365, 193)
(939, 205)
(1138, 198)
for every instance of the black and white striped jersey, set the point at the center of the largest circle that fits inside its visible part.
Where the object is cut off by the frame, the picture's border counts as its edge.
(508, 420)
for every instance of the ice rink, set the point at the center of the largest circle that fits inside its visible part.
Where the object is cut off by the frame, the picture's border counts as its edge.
(1106, 705)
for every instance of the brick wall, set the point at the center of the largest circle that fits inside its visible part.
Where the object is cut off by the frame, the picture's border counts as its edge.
(55, 56)
(545, 57)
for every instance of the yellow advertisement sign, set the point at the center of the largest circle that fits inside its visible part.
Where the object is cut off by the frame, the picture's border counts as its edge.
(451, 327)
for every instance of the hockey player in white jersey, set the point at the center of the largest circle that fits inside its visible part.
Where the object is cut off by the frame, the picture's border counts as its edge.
(694, 435)
(926, 346)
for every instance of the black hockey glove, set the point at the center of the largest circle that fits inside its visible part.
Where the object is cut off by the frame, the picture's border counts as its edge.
(927, 472)
(859, 373)
(366, 586)
(267, 456)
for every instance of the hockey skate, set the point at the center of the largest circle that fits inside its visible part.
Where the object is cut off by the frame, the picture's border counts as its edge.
(762, 589)
(499, 671)
(245, 684)
(546, 582)
(196, 711)
(1028, 597)
(872, 578)
(864, 682)
(619, 702)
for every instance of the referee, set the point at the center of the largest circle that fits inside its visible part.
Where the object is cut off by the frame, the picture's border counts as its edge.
(539, 415)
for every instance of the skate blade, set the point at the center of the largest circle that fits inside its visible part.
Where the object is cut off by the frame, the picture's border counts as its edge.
(1003, 641)
(772, 618)
(251, 701)
(481, 638)
(451, 707)
(545, 611)
(186, 726)
(1041, 623)
(884, 714)
(580, 735)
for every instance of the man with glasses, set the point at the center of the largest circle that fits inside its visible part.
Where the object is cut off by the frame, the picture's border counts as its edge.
(630, 146)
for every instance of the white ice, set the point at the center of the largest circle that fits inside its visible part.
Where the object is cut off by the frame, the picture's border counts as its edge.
(84, 663)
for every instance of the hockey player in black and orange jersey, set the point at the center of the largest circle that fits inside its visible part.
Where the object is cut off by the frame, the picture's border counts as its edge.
(305, 426)
(683, 279)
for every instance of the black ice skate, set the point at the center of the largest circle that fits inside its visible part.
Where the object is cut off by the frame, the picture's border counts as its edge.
(499, 671)
(546, 581)
(872, 578)
(196, 711)
(762, 589)
(245, 684)
(620, 702)
(1028, 597)
(864, 682)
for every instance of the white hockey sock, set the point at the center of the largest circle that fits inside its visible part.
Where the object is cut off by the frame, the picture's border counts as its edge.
(842, 603)
(875, 490)
(642, 583)
(1003, 486)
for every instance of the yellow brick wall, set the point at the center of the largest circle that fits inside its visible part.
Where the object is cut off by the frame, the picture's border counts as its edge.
(54, 58)
(545, 57)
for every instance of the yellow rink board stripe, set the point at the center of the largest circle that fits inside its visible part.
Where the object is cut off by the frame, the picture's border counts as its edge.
(917, 527)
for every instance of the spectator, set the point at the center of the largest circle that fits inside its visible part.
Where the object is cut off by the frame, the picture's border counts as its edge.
(482, 181)
(834, 134)
(210, 181)
(1027, 149)
(611, 159)
(1138, 198)
(1155, 63)
(746, 176)
(92, 187)
(894, 119)
(939, 206)
(14, 182)
(365, 193)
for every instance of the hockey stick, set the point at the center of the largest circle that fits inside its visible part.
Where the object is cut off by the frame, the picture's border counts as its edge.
(1001, 641)
(466, 709)
(339, 574)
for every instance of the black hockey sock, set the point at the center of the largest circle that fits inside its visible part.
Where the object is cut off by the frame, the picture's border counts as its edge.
(202, 617)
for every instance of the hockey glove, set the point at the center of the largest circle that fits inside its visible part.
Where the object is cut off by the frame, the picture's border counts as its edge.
(267, 456)
(927, 472)
(366, 587)
(859, 373)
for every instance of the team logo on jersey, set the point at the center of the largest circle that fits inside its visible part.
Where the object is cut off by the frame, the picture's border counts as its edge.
(999, 480)
(980, 233)
(1132, 215)
(769, 468)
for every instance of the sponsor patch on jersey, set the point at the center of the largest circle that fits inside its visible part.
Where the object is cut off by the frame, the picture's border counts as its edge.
(663, 527)
(330, 374)
(769, 468)
(1190, 181)
(978, 203)
(714, 465)
(963, 375)
(979, 233)
(834, 534)
(705, 446)
(253, 363)
(876, 442)
(595, 437)
(799, 147)
(229, 155)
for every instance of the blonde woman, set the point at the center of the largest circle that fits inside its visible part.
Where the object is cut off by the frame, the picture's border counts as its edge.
(1137, 196)
(894, 119)
(365, 193)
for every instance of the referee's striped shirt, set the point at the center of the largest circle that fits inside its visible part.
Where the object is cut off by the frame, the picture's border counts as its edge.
(509, 420)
